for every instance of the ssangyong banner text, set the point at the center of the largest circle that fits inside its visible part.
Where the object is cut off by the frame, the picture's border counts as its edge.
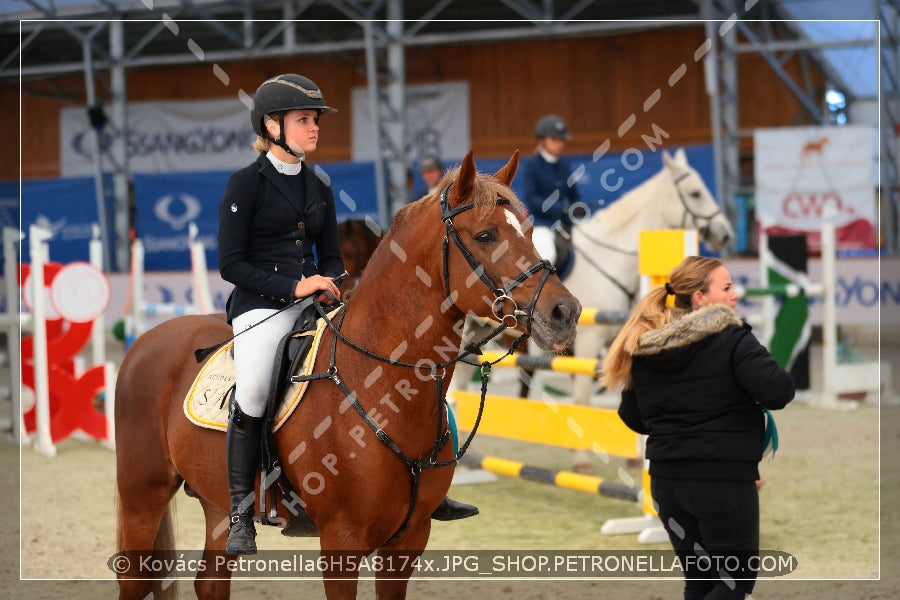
(164, 137)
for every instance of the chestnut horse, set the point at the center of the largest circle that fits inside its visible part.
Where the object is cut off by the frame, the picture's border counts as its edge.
(383, 467)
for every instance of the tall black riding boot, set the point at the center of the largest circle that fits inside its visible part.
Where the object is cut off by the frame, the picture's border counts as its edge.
(451, 510)
(242, 447)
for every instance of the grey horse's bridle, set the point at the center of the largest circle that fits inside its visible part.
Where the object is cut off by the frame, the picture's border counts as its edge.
(701, 222)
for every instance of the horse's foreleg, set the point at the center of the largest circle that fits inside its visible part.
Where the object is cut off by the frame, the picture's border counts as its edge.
(340, 573)
(213, 581)
(398, 562)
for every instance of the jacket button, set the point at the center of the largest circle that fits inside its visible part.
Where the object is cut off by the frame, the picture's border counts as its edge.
(299, 242)
(300, 225)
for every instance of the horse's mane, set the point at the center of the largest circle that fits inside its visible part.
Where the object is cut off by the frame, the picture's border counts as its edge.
(485, 193)
(627, 208)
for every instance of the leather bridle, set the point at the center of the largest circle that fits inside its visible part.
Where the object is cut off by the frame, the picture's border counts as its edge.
(501, 294)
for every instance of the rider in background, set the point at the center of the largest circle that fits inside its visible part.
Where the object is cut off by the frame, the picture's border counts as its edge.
(547, 188)
(431, 170)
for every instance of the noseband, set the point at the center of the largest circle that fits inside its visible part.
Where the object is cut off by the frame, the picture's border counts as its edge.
(501, 294)
(706, 220)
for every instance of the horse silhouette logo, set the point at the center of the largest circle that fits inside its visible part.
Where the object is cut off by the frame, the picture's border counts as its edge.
(815, 146)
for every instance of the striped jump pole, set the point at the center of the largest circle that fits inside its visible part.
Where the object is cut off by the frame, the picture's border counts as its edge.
(593, 316)
(561, 479)
(560, 364)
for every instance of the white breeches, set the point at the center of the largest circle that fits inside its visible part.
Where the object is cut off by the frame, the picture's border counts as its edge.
(544, 239)
(254, 353)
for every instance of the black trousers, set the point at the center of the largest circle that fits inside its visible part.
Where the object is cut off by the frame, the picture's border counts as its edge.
(714, 529)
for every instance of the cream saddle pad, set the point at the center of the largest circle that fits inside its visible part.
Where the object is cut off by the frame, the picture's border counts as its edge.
(206, 403)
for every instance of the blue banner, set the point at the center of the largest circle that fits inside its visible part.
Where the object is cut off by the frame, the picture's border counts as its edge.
(353, 185)
(166, 204)
(66, 207)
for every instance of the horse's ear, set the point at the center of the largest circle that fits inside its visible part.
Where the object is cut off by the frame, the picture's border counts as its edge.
(680, 156)
(667, 159)
(506, 174)
(462, 185)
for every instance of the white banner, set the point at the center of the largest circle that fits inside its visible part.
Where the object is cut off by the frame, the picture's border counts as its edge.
(437, 122)
(805, 173)
(165, 137)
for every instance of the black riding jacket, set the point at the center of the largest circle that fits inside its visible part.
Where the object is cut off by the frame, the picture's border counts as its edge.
(267, 234)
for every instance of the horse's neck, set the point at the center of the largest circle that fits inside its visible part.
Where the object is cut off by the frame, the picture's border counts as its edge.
(640, 208)
(395, 313)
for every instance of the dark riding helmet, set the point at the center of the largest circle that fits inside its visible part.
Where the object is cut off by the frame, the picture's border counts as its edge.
(283, 93)
(551, 126)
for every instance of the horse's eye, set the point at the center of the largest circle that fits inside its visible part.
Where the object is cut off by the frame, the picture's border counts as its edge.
(696, 195)
(485, 237)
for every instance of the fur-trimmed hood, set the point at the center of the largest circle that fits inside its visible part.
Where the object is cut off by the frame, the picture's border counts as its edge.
(689, 329)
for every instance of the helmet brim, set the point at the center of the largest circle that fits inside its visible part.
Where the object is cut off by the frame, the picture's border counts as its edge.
(322, 110)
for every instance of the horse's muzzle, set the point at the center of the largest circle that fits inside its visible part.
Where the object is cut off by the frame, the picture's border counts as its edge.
(554, 326)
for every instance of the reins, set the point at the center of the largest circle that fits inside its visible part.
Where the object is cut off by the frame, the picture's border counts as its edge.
(415, 465)
(630, 294)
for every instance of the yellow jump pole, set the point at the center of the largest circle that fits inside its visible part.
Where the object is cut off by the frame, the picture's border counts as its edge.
(561, 364)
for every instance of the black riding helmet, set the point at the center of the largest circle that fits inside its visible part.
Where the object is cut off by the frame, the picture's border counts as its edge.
(280, 94)
(551, 126)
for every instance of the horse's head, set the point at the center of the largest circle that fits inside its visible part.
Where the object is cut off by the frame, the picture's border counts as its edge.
(491, 268)
(696, 208)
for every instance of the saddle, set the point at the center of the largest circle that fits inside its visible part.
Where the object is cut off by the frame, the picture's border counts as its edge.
(210, 401)
(290, 355)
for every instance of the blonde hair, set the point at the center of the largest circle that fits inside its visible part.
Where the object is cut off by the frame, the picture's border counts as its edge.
(261, 144)
(693, 274)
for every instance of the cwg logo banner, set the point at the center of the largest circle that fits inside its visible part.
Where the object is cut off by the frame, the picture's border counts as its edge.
(805, 174)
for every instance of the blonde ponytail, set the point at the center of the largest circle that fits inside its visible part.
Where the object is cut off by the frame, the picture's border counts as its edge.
(261, 145)
(693, 274)
(649, 314)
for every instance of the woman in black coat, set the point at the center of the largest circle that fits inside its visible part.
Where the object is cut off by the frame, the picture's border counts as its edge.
(695, 381)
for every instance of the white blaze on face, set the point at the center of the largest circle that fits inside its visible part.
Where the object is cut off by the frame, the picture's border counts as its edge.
(514, 221)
